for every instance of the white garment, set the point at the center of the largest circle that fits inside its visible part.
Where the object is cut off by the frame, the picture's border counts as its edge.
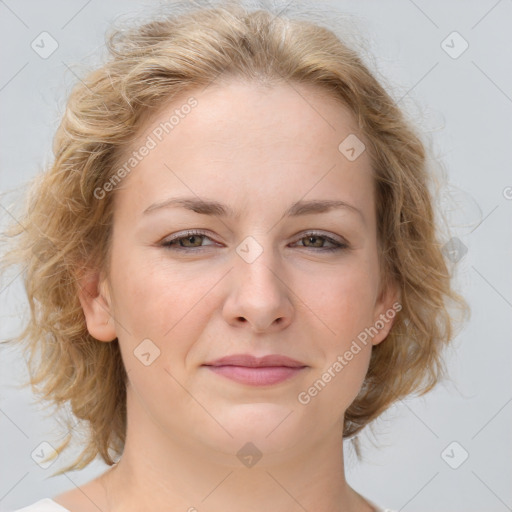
(48, 505)
(44, 505)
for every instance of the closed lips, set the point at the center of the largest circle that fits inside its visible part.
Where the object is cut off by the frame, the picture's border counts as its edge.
(251, 361)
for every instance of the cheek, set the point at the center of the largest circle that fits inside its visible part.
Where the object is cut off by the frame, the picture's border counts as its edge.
(346, 301)
(344, 304)
(160, 301)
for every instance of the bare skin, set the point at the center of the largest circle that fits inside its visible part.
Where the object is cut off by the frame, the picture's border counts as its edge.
(257, 150)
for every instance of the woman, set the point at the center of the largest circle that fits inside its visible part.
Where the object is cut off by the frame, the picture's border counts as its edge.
(232, 266)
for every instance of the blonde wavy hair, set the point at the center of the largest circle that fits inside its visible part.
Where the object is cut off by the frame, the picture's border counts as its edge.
(65, 229)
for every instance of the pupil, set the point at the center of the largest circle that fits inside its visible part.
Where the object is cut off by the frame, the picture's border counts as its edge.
(191, 239)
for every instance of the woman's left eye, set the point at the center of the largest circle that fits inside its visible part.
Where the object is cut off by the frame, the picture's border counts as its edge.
(189, 237)
(314, 238)
(192, 240)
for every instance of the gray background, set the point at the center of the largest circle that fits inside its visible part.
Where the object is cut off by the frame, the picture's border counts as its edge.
(463, 104)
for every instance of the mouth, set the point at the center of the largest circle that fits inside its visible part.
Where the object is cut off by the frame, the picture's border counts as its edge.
(260, 376)
(263, 371)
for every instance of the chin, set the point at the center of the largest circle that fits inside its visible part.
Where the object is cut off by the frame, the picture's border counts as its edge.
(272, 425)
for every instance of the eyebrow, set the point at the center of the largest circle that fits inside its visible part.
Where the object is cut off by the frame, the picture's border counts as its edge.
(210, 207)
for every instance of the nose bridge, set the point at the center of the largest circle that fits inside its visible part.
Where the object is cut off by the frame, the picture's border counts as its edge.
(258, 264)
(258, 294)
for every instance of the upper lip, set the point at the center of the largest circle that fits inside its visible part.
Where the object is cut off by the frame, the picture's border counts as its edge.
(255, 362)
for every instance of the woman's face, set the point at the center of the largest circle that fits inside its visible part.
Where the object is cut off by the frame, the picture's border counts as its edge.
(268, 270)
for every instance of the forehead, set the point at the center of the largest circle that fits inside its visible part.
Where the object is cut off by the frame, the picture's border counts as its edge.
(244, 138)
(245, 108)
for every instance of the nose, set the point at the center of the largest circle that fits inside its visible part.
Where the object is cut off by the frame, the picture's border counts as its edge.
(259, 295)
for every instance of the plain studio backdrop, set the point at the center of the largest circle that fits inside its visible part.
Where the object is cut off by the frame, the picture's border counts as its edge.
(448, 64)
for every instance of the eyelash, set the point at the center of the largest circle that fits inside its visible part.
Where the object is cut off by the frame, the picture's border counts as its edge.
(338, 246)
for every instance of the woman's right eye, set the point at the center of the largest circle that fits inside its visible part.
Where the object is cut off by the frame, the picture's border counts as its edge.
(188, 240)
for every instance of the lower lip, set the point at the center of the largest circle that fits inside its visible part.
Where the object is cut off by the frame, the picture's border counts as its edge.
(263, 376)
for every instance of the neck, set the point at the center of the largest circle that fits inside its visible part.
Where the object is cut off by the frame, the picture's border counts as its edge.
(162, 470)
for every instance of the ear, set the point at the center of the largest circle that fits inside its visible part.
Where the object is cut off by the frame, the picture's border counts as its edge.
(387, 306)
(96, 303)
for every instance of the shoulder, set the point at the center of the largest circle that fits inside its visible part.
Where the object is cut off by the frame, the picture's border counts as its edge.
(376, 508)
(44, 505)
(379, 509)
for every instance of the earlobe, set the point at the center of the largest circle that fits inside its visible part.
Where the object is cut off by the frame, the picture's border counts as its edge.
(96, 304)
(387, 307)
